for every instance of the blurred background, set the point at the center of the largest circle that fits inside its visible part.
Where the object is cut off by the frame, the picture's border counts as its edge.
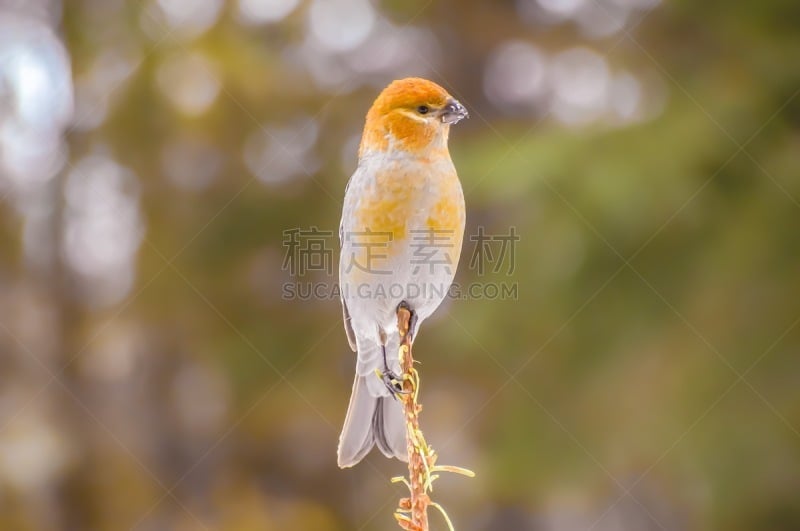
(171, 175)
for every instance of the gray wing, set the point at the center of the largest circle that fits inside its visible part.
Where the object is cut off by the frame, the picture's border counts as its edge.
(348, 327)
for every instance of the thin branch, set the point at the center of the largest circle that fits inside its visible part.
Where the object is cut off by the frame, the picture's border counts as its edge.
(412, 513)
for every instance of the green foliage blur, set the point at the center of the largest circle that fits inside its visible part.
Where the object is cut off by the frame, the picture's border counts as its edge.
(644, 376)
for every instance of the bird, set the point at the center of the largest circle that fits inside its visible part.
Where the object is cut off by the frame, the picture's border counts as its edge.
(401, 233)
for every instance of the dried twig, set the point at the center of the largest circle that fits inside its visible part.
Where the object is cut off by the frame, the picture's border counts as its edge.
(412, 514)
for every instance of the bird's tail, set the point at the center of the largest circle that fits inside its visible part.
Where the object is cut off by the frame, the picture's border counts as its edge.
(371, 420)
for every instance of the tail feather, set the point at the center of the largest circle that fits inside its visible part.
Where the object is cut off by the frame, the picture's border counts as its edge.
(371, 420)
(388, 428)
(357, 439)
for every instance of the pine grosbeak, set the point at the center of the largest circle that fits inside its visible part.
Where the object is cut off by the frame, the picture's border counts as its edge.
(401, 233)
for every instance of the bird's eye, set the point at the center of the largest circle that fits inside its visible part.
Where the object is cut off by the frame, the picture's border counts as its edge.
(423, 109)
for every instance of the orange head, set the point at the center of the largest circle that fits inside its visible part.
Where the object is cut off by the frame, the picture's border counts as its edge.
(412, 115)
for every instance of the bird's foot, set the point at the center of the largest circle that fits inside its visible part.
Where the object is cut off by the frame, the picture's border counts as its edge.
(392, 382)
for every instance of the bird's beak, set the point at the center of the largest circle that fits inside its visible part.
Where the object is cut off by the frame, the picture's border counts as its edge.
(453, 112)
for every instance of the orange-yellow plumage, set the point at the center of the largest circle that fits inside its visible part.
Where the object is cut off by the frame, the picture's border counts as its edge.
(384, 207)
(388, 118)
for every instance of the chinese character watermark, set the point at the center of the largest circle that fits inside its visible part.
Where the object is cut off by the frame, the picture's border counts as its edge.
(371, 243)
(431, 251)
(307, 250)
(485, 247)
